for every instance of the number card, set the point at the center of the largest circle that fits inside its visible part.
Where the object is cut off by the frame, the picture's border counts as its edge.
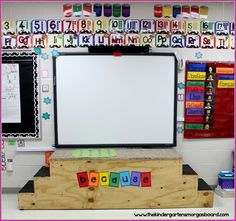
(222, 42)
(54, 26)
(23, 41)
(132, 39)
(177, 26)
(8, 42)
(39, 41)
(147, 26)
(132, 26)
(147, 39)
(162, 26)
(192, 41)
(207, 41)
(70, 41)
(222, 27)
(100, 26)
(162, 40)
(101, 39)
(55, 40)
(23, 27)
(85, 26)
(69, 26)
(39, 26)
(207, 27)
(177, 41)
(192, 27)
(232, 28)
(231, 41)
(117, 25)
(85, 40)
(8, 27)
(116, 39)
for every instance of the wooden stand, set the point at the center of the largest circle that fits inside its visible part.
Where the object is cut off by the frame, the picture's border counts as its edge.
(173, 185)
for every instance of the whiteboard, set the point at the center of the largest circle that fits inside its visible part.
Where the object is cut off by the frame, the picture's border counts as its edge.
(105, 100)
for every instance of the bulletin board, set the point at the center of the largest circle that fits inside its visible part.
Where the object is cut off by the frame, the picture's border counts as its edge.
(21, 96)
(209, 100)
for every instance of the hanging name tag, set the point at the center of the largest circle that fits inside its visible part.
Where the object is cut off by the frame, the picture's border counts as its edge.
(85, 40)
(193, 27)
(23, 27)
(192, 41)
(117, 39)
(70, 41)
(101, 39)
(23, 41)
(8, 27)
(85, 26)
(208, 41)
(177, 26)
(70, 26)
(132, 26)
(39, 26)
(39, 41)
(55, 40)
(207, 27)
(147, 25)
(222, 27)
(177, 41)
(222, 42)
(54, 26)
(162, 26)
(117, 25)
(132, 39)
(100, 26)
(8, 42)
(162, 40)
(147, 39)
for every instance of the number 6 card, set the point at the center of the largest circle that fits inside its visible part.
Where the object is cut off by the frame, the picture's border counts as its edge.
(54, 26)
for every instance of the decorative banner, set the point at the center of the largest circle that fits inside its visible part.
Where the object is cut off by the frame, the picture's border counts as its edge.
(167, 11)
(54, 26)
(222, 28)
(207, 41)
(132, 26)
(193, 27)
(77, 9)
(185, 11)
(101, 39)
(107, 10)
(203, 12)
(207, 27)
(85, 40)
(8, 42)
(55, 40)
(85, 26)
(117, 39)
(192, 41)
(176, 11)
(162, 40)
(177, 41)
(147, 39)
(67, 9)
(125, 10)
(23, 41)
(177, 26)
(116, 10)
(39, 41)
(132, 39)
(23, 27)
(158, 10)
(8, 27)
(39, 26)
(97, 8)
(147, 26)
(70, 41)
(162, 26)
(87, 9)
(222, 42)
(100, 26)
(117, 25)
(70, 26)
(194, 11)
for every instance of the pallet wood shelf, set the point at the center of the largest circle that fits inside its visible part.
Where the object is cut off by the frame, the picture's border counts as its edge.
(174, 185)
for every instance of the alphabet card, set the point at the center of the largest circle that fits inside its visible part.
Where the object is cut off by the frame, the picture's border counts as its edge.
(23, 27)
(192, 27)
(132, 39)
(132, 26)
(135, 178)
(222, 42)
(192, 41)
(222, 28)
(85, 40)
(8, 27)
(83, 179)
(69, 26)
(101, 39)
(100, 26)
(23, 41)
(55, 40)
(54, 26)
(8, 42)
(70, 41)
(104, 178)
(117, 39)
(207, 27)
(177, 41)
(117, 25)
(39, 41)
(147, 26)
(125, 178)
(177, 26)
(147, 39)
(39, 26)
(207, 41)
(162, 40)
(85, 26)
(162, 26)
